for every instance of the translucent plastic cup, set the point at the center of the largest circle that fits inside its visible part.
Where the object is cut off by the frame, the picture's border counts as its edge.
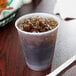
(38, 48)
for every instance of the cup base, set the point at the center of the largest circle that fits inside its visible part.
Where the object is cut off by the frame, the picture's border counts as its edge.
(38, 68)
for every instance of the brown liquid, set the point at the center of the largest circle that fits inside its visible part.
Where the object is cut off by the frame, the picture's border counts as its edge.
(37, 24)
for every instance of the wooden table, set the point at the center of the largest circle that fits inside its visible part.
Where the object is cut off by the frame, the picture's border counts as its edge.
(12, 62)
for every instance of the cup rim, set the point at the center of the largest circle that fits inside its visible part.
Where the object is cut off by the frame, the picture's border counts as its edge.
(37, 14)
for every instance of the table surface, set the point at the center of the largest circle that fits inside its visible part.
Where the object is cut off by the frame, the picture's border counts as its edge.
(12, 62)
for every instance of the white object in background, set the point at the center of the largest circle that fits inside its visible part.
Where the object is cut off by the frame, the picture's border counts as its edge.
(63, 66)
(27, 1)
(66, 8)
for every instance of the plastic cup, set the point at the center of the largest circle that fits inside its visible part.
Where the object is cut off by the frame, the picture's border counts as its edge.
(38, 48)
